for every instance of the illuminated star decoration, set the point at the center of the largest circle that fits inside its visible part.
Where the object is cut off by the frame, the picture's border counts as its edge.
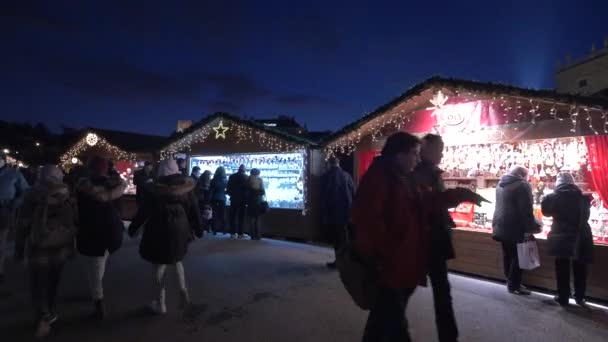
(220, 130)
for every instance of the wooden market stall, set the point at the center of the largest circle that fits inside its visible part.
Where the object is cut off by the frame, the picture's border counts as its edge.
(290, 166)
(487, 128)
(127, 150)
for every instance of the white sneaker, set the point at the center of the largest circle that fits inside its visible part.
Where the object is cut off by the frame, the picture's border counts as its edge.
(157, 308)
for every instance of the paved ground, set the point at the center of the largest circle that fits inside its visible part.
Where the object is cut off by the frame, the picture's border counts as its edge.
(277, 291)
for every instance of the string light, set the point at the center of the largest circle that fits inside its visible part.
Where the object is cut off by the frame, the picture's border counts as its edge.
(590, 121)
(241, 133)
(94, 140)
(510, 106)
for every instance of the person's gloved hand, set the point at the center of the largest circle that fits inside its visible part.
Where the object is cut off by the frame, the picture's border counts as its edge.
(466, 195)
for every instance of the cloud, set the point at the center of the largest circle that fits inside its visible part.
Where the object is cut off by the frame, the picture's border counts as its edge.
(304, 100)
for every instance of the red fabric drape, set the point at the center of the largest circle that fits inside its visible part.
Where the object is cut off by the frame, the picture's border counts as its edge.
(365, 160)
(597, 147)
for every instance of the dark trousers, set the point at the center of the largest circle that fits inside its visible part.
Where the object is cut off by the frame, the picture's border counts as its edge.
(511, 265)
(445, 320)
(219, 216)
(562, 273)
(237, 217)
(336, 234)
(386, 321)
(44, 283)
(254, 222)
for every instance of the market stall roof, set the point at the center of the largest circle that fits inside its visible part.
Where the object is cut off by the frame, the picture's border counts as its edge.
(470, 86)
(180, 139)
(125, 145)
(132, 142)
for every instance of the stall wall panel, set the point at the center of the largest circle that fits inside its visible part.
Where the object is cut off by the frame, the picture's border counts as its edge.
(478, 254)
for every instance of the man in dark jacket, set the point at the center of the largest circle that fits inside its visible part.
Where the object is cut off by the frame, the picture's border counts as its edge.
(337, 191)
(428, 176)
(237, 190)
(141, 178)
(513, 221)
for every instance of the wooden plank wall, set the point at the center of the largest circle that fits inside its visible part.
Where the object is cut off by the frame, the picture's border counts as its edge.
(478, 254)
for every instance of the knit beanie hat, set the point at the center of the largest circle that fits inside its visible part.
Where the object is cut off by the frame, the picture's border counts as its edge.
(168, 167)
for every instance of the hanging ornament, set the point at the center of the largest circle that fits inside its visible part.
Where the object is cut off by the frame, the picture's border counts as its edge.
(573, 117)
(590, 121)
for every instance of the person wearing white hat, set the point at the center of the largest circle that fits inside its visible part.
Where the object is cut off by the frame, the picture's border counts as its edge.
(170, 218)
(570, 240)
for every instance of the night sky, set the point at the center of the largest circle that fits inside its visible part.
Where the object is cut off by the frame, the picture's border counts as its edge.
(142, 65)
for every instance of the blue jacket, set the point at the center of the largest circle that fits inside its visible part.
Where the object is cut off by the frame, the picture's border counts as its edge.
(337, 190)
(12, 185)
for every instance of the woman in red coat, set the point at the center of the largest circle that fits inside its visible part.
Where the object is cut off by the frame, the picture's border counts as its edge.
(391, 216)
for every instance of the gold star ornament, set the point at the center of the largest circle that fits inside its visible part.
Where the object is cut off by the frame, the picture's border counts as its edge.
(220, 130)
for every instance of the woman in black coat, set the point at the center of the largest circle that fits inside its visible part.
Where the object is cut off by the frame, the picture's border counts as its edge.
(570, 240)
(255, 203)
(170, 218)
(101, 228)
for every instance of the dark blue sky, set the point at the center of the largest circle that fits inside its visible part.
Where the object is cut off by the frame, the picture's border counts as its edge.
(142, 65)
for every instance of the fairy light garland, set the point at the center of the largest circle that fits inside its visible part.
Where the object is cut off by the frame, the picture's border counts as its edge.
(512, 111)
(242, 133)
(94, 140)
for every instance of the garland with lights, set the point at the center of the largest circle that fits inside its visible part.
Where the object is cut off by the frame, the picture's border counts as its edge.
(242, 133)
(392, 119)
(94, 140)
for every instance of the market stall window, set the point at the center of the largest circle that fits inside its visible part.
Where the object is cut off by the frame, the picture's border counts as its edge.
(283, 174)
(479, 167)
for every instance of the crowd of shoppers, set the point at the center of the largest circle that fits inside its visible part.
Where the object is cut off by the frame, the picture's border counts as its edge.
(397, 220)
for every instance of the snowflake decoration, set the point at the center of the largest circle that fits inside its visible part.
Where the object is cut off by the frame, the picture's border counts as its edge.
(92, 139)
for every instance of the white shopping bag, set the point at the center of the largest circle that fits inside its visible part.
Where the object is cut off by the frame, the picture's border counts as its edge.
(527, 253)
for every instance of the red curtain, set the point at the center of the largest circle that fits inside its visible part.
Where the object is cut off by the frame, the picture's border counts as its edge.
(365, 160)
(597, 147)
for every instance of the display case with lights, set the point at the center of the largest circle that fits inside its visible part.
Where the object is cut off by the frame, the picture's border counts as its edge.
(282, 173)
(478, 167)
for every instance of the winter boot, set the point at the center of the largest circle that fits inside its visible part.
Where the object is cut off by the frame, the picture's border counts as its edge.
(43, 329)
(100, 310)
(184, 299)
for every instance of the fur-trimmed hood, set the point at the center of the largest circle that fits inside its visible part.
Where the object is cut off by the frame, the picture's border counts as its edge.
(172, 186)
(102, 189)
